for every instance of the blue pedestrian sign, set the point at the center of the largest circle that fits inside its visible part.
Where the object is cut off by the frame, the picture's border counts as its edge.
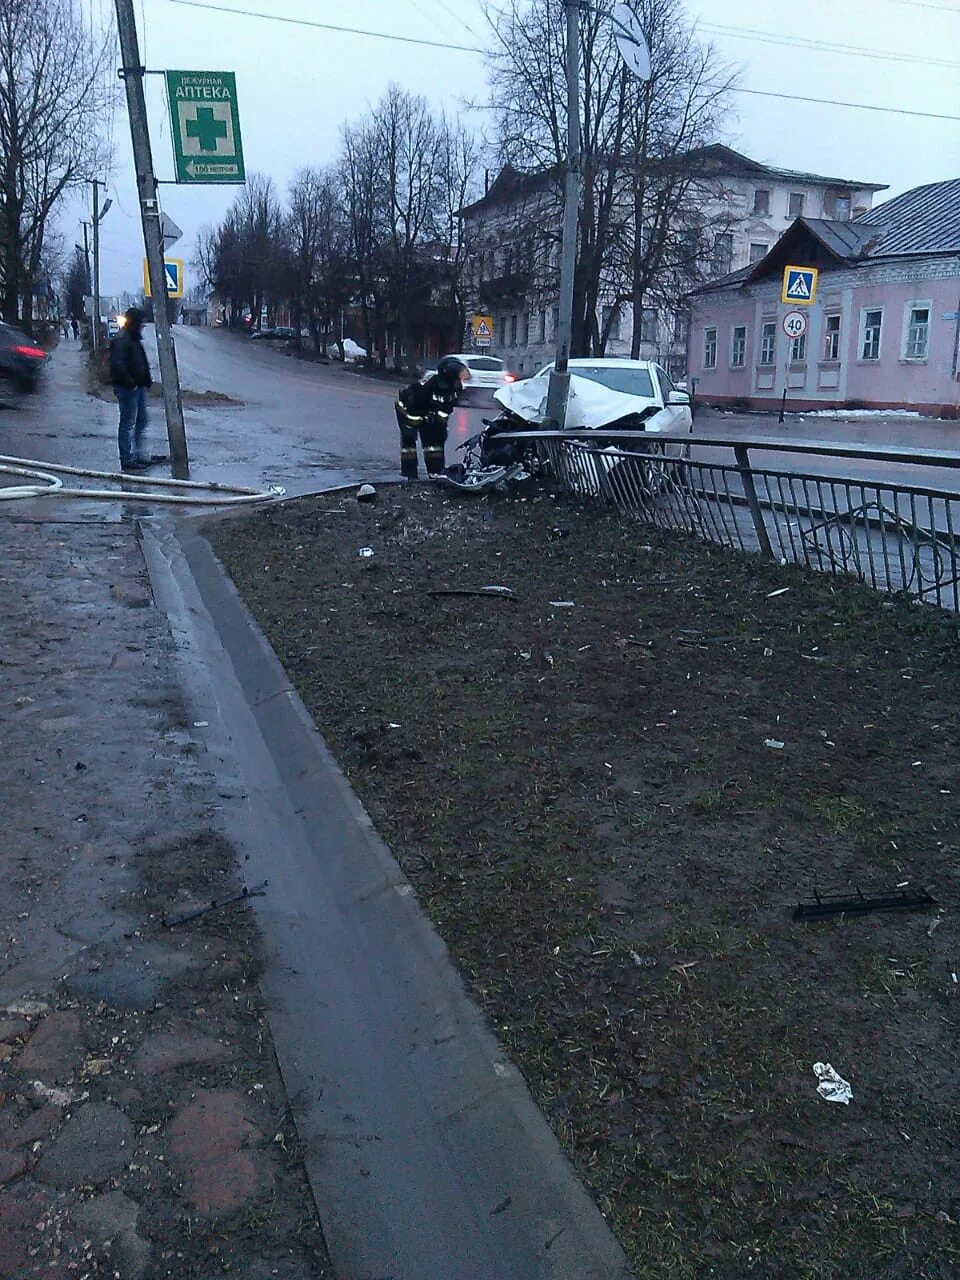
(799, 285)
(173, 269)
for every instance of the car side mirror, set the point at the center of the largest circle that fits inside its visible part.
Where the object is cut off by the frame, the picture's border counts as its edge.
(678, 397)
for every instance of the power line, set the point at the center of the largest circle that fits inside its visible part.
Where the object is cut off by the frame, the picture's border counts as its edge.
(821, 46)
(437, 44)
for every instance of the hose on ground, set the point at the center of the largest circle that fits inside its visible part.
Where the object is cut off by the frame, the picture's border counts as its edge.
(46, 483)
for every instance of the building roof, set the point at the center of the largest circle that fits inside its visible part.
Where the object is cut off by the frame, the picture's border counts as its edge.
(726, 162)
(511, 185)
(921, 222)
(924, 220)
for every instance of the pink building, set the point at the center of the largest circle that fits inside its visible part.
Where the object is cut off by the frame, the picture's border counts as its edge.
(883, 332)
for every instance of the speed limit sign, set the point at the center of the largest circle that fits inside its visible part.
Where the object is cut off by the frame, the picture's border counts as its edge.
(795, 324)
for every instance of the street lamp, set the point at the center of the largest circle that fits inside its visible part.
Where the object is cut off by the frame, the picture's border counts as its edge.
(633, 49)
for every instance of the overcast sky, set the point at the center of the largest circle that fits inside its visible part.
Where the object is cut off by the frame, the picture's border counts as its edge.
(296, 85)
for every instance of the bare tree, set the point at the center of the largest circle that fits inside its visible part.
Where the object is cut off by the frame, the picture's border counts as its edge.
(318, 237)
(637, 198)
(53, 93)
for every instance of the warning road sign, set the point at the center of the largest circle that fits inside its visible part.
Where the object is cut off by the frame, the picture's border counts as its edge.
(799, 285)
(794, 324)
(483, 330)
(173, 268)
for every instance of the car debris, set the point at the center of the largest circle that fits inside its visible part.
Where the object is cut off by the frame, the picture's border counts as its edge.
(832, 1086)
(258, 891)
(824, 905)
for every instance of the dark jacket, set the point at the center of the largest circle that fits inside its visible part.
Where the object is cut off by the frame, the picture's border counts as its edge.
(128, 362)
(435, 398)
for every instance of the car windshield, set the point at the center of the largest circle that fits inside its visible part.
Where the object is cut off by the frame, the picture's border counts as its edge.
(484, 363)
(629, 382)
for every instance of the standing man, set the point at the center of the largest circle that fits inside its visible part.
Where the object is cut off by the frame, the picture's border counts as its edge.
(75, 326)
(130, 375)
(422, 410)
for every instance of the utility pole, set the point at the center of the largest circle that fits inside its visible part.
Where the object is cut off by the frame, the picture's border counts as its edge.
(86, 253)
(133, 74)
(96, 266)
(559, 387)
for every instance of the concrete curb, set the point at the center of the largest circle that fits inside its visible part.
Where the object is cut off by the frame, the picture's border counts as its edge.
(427, 1156)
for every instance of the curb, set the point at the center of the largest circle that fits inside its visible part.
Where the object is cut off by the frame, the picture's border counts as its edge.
(427, 1157)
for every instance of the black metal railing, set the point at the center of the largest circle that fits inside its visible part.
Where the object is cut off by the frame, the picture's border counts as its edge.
(885, 523)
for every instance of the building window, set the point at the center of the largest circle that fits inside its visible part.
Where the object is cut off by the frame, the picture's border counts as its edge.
(758, 251)
(795, 205)
(918, 333)
(723, 254)
(831, 338)
(872, 324)
(542, 325)
(524, 329)
(513, 331)
(837, 204)
(768, 342)
(680, 322)
(610, 315)
(710, 348)
(738, 347)
(761, 202)
(798, 349)
(648, 324)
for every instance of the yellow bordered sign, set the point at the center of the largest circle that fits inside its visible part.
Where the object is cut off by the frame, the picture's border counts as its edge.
(800, 285)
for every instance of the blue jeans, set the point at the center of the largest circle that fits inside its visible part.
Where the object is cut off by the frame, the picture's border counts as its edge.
(131, 435)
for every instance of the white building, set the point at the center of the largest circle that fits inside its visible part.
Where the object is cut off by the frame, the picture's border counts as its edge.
(514, 234)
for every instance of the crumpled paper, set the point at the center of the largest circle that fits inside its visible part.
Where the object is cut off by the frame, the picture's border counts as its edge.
(832, 1086)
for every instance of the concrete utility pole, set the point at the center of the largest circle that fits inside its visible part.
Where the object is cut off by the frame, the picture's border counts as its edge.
(96, 267)
(133, 74)
(560, 378)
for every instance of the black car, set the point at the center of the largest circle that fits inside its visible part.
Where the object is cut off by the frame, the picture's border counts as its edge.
(21, 360)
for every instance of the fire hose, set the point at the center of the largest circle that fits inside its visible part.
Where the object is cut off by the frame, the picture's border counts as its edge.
(45, 482)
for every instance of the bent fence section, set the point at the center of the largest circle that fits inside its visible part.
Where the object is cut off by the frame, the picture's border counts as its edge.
(891, 533)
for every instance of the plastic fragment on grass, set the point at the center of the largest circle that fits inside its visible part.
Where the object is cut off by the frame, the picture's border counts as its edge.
(774, 744)
(832, 1086)
(562, 604)
(366, 553)
(779, 592)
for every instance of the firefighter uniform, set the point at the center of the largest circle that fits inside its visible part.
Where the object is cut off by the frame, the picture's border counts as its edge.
(422, 411)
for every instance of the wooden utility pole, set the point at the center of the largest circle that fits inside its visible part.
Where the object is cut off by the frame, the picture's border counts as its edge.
(133, 74)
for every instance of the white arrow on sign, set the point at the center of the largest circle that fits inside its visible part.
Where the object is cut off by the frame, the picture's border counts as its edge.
(212, 170)
(170, 231)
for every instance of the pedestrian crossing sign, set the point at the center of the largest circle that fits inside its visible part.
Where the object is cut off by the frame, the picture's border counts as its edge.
(483, 330)
(173, 270)
(799, 285)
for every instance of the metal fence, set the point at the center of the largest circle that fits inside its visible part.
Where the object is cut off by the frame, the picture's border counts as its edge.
(897, 533)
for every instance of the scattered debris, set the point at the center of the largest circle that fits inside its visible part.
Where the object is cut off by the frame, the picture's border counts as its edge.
(642, 962)
(837, 904)
(27, 1008)
(779, 592)
(774, 744)
(562, 604)
(256, 892)
(366, 553)
(832, 1086)
(366, 493)
(56, 1097)
(502, 593)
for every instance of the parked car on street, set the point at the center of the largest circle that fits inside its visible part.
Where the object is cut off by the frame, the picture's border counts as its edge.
(487, 373)
(605, 392)
(21, 360)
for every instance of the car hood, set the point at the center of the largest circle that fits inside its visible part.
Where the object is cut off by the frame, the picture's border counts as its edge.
(589, 405)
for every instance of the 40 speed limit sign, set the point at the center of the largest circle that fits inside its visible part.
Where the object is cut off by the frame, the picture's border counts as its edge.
(794, 324)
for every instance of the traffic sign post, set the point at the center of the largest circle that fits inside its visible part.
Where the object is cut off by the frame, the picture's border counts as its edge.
(483, 330)
(205, 126)
(800, 285)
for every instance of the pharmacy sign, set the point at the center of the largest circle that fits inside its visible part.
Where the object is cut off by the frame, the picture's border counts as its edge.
(205, 126)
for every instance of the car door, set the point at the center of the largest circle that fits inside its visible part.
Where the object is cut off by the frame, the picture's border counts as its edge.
(677, 416)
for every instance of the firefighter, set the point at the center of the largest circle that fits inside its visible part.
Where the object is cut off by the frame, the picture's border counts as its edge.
(422, 410)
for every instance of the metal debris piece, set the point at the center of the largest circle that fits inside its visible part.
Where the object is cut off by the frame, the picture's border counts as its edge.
(774, 744)
(256, 892)
(860, 904)
(502, 593)
(366, 553)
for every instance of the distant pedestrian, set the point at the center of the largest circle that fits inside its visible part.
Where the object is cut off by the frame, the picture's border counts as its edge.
(75, 326)
(130, 375)
(64, 327)
(422, 410)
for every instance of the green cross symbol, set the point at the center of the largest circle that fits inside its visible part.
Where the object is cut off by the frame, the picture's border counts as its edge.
(207, 128)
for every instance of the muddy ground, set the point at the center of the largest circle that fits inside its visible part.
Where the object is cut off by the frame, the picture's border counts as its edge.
(589, 799)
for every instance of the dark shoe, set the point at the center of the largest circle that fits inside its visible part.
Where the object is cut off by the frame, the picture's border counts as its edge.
(134, 466)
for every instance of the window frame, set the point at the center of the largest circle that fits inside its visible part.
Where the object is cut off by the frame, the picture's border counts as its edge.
(917, 304)
(757, 193)
(742, 362)
(799, 196)
(768, 331)
(757, 244)
(863, 358)
(710, 344)
(832, 333)
(798, 349)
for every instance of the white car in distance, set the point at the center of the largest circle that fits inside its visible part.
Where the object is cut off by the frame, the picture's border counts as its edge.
(487, 373)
